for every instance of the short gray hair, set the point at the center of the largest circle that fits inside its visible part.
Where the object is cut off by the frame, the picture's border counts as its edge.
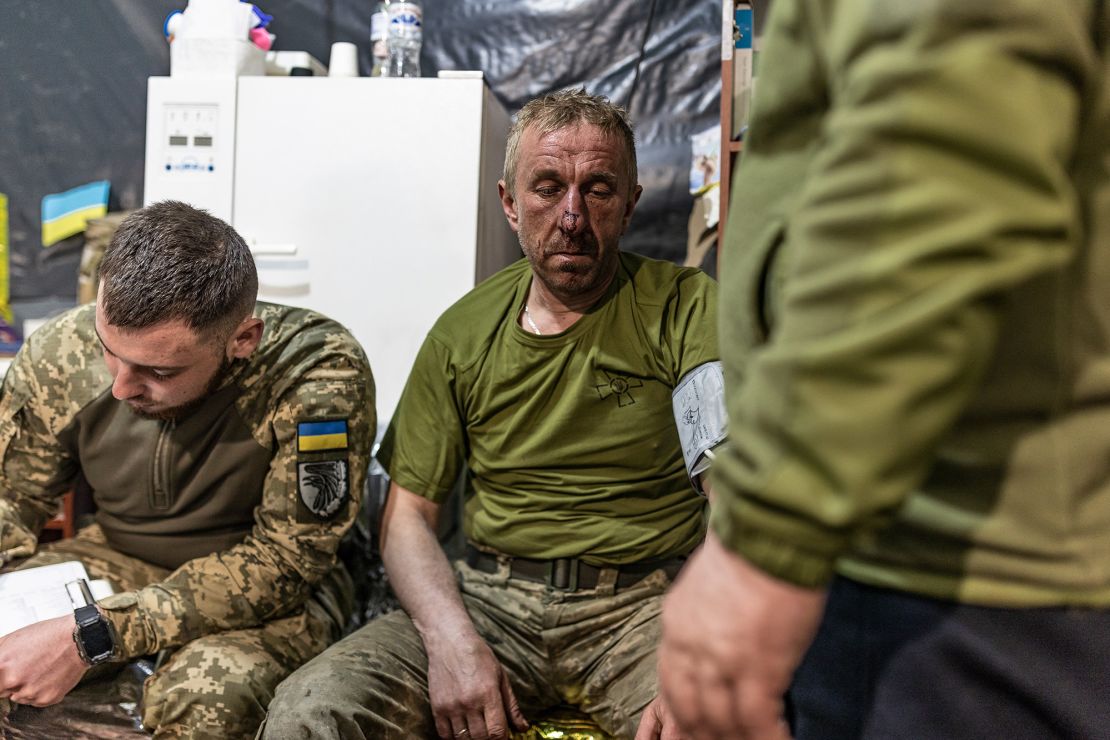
(170, 261)
(564, 109)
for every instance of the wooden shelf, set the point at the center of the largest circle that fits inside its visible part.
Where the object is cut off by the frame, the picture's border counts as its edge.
(62, 525)
(726, 154)
(730, 147)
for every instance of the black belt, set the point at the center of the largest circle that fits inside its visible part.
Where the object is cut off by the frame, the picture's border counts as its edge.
(570, 574)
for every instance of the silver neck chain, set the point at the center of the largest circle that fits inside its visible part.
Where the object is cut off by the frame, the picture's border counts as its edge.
(531, 323)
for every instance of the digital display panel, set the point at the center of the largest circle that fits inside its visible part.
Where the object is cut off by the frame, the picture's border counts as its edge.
(179, 140)
(202, 141)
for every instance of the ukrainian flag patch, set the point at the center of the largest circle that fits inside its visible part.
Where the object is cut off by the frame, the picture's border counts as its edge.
(319, 436)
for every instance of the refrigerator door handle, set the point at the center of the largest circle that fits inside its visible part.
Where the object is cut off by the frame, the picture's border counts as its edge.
(281, 277)
(260, 250)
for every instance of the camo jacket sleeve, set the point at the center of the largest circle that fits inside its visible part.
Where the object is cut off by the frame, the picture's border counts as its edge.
(290, 549)
(34, 469)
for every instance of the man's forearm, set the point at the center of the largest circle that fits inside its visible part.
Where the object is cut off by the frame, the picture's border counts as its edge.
(422, 577)
(467, 687)
(245, 586)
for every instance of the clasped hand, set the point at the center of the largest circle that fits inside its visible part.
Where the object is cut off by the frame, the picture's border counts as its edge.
(39, 663)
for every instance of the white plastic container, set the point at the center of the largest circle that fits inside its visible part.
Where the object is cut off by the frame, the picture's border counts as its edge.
(202, 57)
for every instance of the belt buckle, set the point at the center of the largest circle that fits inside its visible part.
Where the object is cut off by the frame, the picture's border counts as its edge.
(562, 574)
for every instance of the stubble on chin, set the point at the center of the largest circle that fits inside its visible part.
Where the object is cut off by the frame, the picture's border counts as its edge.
(174, 413)
(171, 414)
(566, 278)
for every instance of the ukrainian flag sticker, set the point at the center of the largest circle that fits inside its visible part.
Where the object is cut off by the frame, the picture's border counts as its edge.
(321, 436)
(65, 214)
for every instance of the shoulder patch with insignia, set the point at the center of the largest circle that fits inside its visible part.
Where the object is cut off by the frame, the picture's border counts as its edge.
(324, 485)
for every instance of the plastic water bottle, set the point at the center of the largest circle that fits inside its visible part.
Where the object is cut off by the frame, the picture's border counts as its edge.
(379, 40)
(406, 33)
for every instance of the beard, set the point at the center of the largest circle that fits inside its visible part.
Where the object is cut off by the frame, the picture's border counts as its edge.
(570, 278)
(180, 411)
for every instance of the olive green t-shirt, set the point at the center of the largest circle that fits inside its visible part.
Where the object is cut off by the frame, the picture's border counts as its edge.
(569, 439)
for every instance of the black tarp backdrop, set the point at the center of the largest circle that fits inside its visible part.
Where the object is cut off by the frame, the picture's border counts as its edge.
(73, 93)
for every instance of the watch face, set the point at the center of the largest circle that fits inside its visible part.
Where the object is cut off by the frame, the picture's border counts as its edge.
(97, 641)
(94, 635)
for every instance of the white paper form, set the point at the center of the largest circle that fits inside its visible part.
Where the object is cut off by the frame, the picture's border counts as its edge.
(32, 595)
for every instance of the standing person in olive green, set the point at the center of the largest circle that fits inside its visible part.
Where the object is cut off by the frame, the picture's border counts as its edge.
(579, 388)
(225, 443)
(920, 412)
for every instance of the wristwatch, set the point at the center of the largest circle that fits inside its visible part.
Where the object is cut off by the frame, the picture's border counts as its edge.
(95, 639)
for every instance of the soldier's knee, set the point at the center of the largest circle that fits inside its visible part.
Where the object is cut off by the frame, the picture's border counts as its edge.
(297, 712)
(205, 691)
(354, 690)
(321, 700)
(184, 709)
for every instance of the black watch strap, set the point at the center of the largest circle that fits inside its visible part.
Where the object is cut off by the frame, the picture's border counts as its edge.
(86, 615)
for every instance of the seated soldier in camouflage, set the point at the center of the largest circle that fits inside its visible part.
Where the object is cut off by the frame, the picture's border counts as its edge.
(580, 389)
(225, 443)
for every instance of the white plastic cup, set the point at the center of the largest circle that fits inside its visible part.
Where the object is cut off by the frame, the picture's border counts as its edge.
(344, 60)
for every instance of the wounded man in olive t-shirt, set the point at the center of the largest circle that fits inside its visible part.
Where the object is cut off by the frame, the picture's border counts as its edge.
(580, 391)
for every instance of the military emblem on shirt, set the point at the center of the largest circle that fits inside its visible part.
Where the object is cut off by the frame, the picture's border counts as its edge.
(323, 479)
(619, 386)
(323, 486)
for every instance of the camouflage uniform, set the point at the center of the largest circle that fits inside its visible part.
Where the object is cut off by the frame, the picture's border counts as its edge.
(594, 648)
(218, 529)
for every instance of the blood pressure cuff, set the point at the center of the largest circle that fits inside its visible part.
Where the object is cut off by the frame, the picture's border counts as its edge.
(699, 412)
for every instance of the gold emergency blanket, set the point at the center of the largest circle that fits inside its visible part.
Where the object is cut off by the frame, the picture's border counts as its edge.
(563, 723)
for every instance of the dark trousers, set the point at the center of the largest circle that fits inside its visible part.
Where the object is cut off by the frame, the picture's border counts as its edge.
(886, 664)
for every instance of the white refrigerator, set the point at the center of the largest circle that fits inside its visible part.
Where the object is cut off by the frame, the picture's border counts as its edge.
(371, 200)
